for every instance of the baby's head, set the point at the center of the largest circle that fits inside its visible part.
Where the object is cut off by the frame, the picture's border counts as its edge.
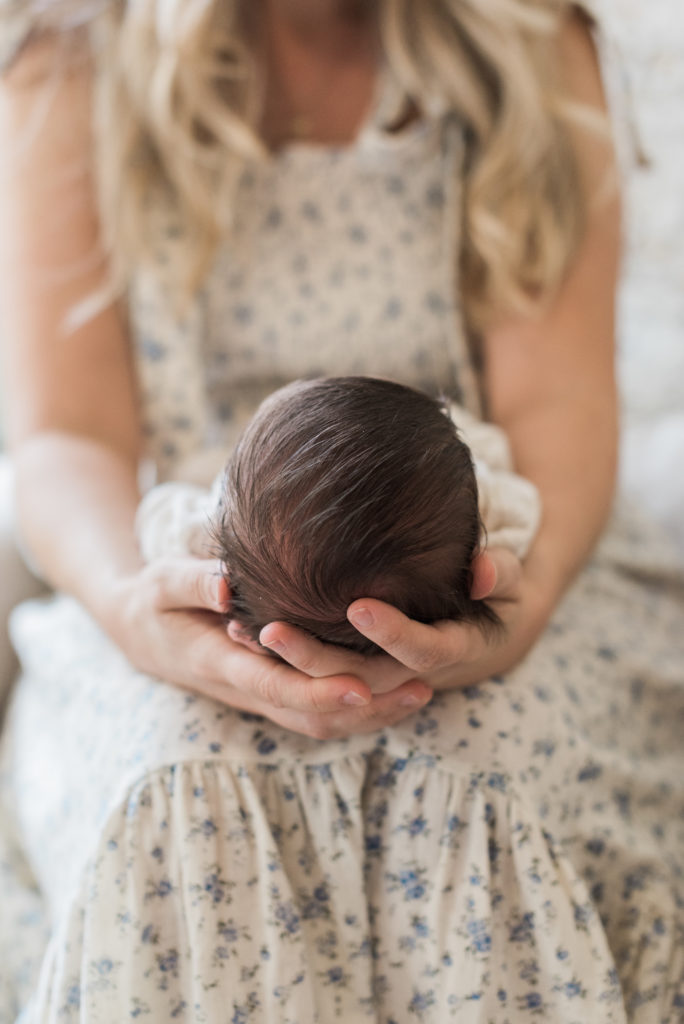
(343, 488)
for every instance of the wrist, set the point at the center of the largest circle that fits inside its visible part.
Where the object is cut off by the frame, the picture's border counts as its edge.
(535, 605)
(539, 603)
(110, 599)
(545, 580)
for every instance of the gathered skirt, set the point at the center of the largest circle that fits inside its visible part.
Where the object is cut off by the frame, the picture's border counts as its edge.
(513, 852)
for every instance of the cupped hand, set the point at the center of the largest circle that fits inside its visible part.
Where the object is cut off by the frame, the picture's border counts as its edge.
(444, 654)
(168, 621)
(449, 655)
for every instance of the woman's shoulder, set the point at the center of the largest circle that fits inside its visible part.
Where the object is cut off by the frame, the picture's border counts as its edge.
(604, 21)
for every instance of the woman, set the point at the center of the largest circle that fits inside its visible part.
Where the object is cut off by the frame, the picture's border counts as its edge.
(277, 189)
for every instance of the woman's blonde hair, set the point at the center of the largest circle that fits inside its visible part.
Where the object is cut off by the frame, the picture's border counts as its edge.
(179, 97)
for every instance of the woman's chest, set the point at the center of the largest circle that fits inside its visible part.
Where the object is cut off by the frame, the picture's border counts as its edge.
(334, 270)
(338, 262)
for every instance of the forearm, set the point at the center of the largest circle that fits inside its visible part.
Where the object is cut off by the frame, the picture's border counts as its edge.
(568, 450)
(76, 505)
(551, 387)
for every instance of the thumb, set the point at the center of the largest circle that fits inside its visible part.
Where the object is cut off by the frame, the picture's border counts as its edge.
(190, 583)
(496, 574)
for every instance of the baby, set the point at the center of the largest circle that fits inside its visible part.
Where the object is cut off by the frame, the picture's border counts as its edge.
(349, 487)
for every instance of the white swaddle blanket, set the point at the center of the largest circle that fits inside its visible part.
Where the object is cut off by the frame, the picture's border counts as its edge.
(174, 518)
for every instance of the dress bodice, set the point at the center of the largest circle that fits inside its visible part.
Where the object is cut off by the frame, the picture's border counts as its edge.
(340, 261)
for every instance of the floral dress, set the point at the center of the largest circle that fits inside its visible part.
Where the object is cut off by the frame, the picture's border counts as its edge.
(511, 853)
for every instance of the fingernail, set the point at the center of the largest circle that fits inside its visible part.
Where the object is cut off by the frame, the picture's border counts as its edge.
(416, 699)
(362, 617)
(353, 698)
(275, 645)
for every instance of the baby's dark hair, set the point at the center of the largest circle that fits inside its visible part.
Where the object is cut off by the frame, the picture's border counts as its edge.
(349, 487)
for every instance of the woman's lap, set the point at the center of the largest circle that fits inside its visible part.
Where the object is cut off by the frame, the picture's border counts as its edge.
(579, 749)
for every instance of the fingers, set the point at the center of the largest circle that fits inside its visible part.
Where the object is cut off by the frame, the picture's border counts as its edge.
(421, 648)
(240, 636)
(507, 573)
(305, 652)
(382, 712)
(321, 708)
(274, 684)
(189, 583)
(317, 659)
(497, 573)
(484, 573)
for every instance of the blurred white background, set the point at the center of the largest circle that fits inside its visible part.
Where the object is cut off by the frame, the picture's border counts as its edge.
(650, 42)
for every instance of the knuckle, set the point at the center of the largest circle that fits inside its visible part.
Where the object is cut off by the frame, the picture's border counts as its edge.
(392, 638)
(424, 659)
(318, 700)
(306, 662)
(267, 690)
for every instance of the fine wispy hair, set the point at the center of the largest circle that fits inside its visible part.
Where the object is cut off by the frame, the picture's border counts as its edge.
(349, 487)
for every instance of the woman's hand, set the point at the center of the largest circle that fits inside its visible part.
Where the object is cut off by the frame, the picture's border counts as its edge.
(443, 655)
(167, 619)
(448, 655)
